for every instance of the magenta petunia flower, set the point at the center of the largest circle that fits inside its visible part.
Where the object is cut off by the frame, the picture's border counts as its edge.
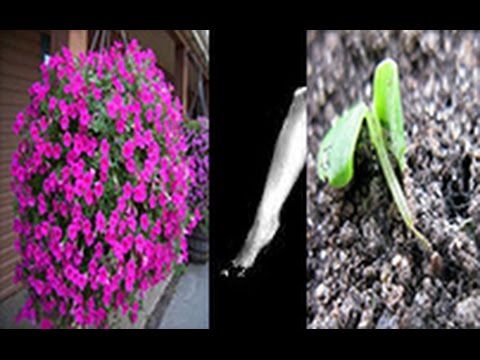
(56, 151)
(104, 165)
(19, 122)
(52, 104)
(140, 193)
(46, 324)
(72, 232)
(64, 123)
(127, 190)
(131, 222)
(144, 222)
(104, 147)
(67, 139)
(56, 233)
(100, 221)
(88, 196)
(128, 149)
(98, 189)
(131, 166)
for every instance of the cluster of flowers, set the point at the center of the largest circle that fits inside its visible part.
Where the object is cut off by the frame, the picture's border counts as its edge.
(101, 178)
(198, 140)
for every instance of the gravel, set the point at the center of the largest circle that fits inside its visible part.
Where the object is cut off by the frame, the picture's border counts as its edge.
(365, 270)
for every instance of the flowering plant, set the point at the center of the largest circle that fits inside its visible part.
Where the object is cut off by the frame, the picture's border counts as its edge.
(101, 179)
(198, 139)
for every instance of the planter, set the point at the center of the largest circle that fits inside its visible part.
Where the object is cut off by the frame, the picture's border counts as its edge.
(198, 248)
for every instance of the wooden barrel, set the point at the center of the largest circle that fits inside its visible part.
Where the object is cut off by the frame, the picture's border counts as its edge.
(198, 248)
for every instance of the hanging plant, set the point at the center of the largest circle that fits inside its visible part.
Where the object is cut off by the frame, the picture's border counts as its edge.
(101, 179)
(197, 132)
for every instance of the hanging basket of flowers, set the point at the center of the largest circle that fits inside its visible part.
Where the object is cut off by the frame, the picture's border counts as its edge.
(198, 147)
(101, 179)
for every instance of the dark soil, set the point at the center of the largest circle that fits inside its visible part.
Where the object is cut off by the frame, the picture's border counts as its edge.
(365, 269)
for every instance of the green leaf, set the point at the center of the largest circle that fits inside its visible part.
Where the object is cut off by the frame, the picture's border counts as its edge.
(388, 107)
(336, 153)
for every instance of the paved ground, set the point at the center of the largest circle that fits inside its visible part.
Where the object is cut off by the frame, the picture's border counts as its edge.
(189, 306)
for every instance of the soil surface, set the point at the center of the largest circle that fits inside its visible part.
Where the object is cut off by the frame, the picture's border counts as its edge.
(365, 269)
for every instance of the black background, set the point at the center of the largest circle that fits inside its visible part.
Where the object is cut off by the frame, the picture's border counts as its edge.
(253, 77)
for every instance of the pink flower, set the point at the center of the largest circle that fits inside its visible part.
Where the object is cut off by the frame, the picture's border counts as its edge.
(127, 243)
(112, 109)
(98, 189)
(56, 233)
(132, 223)
(144, 222)
(114, 105)
(98, 250)
(72, 232)
(103, 276)
(46, 324)
(127, 190)
(85, 117)
(69, 193)
(120, 126)
(156, 229)
(104, 147)
(57, 151)
(43, 124)
(64, 107)
(139, 243)
(17, 226)
(89, 197)
(118, 85)
(38, 285)
(67, 139)
(100, 221)
(89, 239)
(135, 308)
(64, 123)
(117, 250)
(121, 204)
(145, 95)
(152, 202)
(52, 104)
(77, 168)
(88, 178)
(87, 226)
(104, 165)
(140, 193)
(18, 124)
(149, 115)
(111, 236)
(34, 132)
(128, 149)
(97, 93)
(130, 279)
(48, 150)
(114, 218)
(131, 166)
(42, 205)
(78, 314)
(107, 297)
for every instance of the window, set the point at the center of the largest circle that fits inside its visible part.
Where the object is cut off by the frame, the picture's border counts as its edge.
(45, 43)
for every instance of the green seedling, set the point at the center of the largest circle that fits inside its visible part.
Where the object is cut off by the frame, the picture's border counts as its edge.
(385, 127)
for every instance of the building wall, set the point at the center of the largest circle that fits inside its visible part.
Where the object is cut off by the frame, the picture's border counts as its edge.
(20, 56)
